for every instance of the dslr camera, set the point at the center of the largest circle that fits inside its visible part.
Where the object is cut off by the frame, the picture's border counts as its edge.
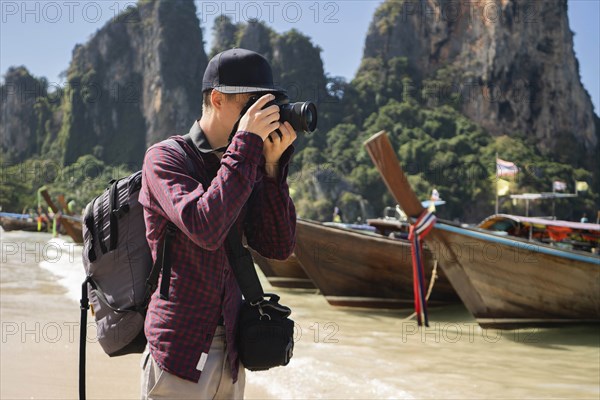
(301, 115)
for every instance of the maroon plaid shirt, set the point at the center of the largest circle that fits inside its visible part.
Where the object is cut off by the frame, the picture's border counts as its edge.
(203, 286)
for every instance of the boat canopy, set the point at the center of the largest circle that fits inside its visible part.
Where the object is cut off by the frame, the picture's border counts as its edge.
(567, 234)
(14, 215)
(493, 220)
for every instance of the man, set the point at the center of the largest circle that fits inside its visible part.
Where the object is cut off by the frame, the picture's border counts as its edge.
(191, 349)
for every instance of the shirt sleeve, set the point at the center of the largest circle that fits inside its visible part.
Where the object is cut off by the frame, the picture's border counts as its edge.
(271, 220)
(205, 216)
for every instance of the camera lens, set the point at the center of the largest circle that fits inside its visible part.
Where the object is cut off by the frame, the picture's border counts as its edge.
(302, 116)
(309, 117)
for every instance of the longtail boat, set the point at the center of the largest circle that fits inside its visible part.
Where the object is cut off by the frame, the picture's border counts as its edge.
(71, 224)
(357, 268)
(563, 234)
(506, 282)
(19, 222)
(286, 274)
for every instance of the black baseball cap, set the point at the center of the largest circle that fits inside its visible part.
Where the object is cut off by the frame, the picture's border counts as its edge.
(239, 71)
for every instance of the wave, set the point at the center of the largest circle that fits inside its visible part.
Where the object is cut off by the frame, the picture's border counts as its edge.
(64, 260)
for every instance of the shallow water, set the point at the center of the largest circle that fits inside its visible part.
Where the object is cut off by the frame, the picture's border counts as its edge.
(345, 353)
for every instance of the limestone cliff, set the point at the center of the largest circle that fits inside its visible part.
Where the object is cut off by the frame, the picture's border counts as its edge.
(224, 32)
(511, 64)
(138, 80)
(27, 114)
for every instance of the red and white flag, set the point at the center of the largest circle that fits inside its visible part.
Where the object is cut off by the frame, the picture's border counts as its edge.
(559, 186)
(505, 168)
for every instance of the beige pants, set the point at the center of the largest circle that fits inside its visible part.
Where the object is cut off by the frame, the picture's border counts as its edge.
(215, 382)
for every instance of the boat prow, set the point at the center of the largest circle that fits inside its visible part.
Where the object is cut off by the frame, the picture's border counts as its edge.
(505, 282)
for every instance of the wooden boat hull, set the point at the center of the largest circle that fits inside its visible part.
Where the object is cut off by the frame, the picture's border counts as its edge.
(14, 224)
(18, 224)
(285, 274)
(72, 225)
(509, 283)
(75, 230)
(358, 269)
(505, 282)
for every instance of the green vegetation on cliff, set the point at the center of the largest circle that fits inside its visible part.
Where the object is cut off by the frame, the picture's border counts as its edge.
(125, 92)
(80, 181)
(439, 148)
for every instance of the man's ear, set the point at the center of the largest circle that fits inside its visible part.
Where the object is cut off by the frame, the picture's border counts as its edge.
(217, 99)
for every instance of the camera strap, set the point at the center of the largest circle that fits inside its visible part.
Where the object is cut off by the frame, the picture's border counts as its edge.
(237, 123)
(233, 131)
(243, 268)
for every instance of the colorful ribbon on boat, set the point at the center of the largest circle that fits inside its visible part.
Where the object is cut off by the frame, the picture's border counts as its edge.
(418, 231)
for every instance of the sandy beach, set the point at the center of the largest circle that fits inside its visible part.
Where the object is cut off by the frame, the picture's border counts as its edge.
(339, 353)
(39, 354)
(40, 340)
(40, 359)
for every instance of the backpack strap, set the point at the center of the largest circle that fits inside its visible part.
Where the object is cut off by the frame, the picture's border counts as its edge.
(163, 257)
(88, 220)
(84, 306)
(172, 143)
(163, 262)
(100, 226)
(112, 208)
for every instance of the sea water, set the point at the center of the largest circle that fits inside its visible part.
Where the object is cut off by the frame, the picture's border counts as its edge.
(349, 353)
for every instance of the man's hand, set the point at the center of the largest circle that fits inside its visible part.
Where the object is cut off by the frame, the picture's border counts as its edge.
(258, 121)
(275, 145)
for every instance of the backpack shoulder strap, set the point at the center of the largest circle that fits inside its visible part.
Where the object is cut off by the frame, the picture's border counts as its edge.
(112, 211)
(84, 306)
(163, 261)
(174, 144)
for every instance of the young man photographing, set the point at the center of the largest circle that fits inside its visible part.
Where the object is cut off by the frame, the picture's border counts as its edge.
(191, 334)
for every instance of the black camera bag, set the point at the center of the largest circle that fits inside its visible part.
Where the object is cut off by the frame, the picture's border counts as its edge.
(265, 333)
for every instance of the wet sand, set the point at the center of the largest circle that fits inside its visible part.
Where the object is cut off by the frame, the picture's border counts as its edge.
(40, 338)
(39, 348)
(339, 353)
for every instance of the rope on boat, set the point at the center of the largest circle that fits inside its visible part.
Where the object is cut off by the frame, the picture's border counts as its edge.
(417, 232)
(434, 277)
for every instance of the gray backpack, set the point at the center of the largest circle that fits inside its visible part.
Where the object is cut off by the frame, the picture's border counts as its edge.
(120, 276)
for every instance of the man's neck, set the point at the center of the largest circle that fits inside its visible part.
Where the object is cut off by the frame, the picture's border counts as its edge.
(213, 133)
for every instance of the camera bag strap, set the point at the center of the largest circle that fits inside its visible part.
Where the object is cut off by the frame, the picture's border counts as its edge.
(239, 257)
(260, 314)
(242, 265)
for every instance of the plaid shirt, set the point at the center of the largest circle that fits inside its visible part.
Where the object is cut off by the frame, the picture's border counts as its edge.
(203, 287)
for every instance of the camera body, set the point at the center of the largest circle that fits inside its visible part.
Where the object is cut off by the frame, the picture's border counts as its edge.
(301, 115)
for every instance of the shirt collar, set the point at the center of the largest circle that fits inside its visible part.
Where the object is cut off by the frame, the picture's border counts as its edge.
(199, 138)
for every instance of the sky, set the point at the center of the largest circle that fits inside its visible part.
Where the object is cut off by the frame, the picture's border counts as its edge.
(42, 34)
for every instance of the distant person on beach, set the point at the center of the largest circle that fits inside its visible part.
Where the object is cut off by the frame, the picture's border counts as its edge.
(71, 206)
(43, 219)
(337, 215)
(435, 196)
(56, 220)
(192, 352)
